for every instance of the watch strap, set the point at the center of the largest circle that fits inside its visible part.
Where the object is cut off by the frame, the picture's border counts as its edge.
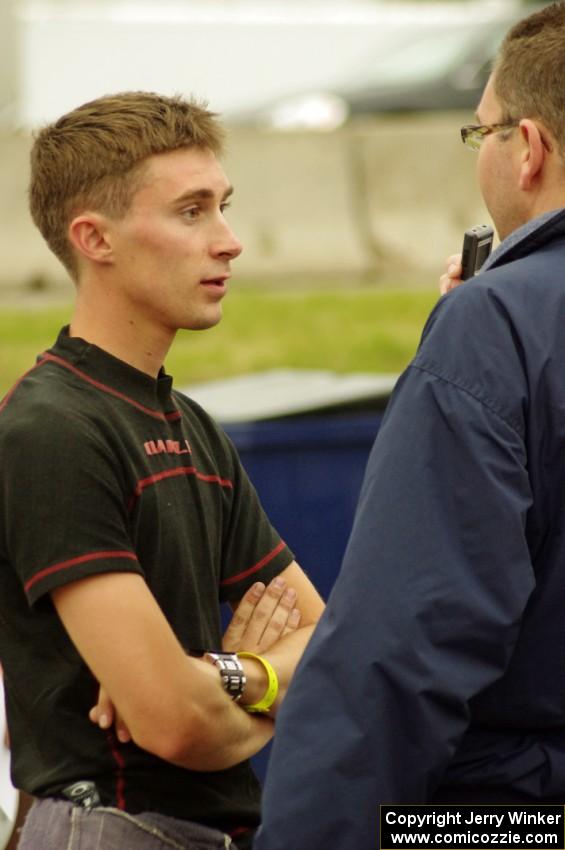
(231, 672)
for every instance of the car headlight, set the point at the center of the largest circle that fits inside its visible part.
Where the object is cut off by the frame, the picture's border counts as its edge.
(316, 111)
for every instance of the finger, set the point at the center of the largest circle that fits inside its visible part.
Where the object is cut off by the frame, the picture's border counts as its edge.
(103, 712)
(249, 638)
(122, 731)
(293, 622)
(262, 617)
(444, 284)
(235, 631)
(279, 620)
(452, 277)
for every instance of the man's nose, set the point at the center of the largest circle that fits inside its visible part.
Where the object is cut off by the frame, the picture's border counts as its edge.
(227, 244)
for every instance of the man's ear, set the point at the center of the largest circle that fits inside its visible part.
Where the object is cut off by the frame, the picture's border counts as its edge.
(88, 234)
(536, 148)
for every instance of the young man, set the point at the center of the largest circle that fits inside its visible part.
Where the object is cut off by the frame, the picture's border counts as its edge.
(126, 515)
(437, 673)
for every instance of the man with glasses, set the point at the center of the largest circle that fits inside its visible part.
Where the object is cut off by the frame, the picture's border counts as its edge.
(472, 135)
(437, 673)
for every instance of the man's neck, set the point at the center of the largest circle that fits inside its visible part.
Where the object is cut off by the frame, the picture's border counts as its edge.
(141, 344)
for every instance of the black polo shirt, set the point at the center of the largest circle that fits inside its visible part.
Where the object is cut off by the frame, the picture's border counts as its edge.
(105, 469)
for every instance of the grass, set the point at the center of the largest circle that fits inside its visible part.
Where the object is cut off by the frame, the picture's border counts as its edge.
(357, 330)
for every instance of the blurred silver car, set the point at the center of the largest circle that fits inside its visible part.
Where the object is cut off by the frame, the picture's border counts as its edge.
(443, 69)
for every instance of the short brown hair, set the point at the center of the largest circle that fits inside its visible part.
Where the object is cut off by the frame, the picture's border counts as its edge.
(530, 70)
(93, 156)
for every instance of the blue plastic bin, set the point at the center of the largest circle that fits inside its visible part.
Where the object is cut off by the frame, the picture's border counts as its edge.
(308, 473)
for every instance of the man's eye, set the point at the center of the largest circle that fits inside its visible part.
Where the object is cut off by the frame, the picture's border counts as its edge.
(191, 213)
(225, 206)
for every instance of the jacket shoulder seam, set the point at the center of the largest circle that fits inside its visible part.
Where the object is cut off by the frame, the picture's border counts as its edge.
(459, 385)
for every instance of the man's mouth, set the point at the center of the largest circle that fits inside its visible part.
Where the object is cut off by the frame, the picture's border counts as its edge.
(215, 281)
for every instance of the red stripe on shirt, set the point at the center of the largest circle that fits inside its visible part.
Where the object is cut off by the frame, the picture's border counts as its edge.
(120, 764)
(251, 570)
(240, 830)
(73, 562)
(156, 414)
(173, 473)
(16, 385)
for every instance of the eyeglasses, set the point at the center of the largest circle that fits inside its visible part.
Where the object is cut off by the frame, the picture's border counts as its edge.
(472, 135)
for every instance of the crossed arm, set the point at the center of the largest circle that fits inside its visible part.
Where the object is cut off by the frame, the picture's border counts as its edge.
(174, 705)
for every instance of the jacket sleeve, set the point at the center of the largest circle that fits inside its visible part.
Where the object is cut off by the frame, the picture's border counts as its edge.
(424, 615)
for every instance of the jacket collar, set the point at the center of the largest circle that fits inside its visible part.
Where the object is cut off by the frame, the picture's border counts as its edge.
(534, 234)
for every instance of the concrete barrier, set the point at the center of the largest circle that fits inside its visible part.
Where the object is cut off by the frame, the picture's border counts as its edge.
(379, 200)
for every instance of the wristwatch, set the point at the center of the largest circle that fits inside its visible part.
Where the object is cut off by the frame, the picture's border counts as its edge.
(231, 672)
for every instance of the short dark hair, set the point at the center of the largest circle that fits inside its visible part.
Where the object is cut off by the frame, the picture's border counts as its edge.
(93, 157)
(529, 71)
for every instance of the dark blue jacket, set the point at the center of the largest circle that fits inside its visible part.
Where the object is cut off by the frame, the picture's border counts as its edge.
(438, 670)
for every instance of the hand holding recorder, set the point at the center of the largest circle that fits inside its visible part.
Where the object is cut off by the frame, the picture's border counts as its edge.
(477, 245)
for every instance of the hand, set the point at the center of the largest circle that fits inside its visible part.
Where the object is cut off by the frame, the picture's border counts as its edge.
(263, 616)
(452, 277)
(104, 715)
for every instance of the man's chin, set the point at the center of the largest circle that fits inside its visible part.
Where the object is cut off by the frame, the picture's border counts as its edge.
(204, 323)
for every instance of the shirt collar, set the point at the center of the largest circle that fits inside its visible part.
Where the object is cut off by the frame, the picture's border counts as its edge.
(514, 242)
(102, 367)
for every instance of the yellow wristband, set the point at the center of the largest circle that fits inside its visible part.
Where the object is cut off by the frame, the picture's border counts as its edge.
(264, 704)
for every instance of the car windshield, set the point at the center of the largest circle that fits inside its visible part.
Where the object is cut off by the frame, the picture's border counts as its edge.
(425, 56)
